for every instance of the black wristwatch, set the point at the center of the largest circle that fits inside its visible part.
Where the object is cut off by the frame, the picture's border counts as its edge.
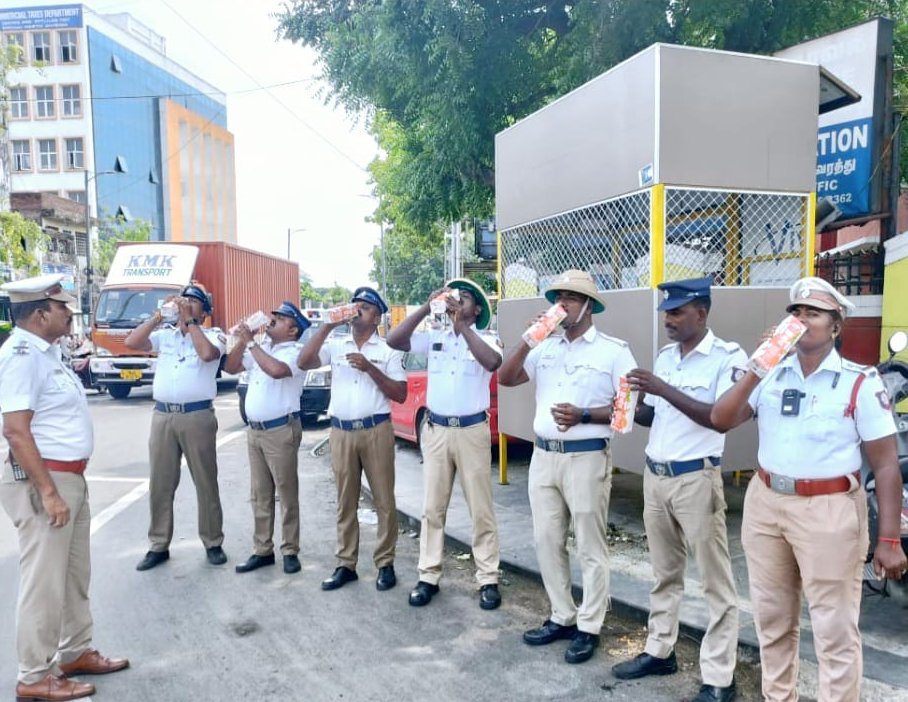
(193, 322)
(585, 416)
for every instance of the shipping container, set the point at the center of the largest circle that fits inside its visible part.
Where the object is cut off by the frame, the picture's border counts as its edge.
(142, 275)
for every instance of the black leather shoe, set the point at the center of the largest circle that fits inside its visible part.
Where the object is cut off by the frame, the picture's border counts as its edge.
(489, 597)
(340, 577)
(386, 578)
(254, 562)
(582, 647)
(422, 594)
(549, 632)
(711, 693)
(216, 555)
(292, 564)
(645, 664)
(152, 559)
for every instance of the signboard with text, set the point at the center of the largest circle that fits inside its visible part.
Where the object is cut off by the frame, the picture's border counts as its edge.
(51, 17)
(849, 139)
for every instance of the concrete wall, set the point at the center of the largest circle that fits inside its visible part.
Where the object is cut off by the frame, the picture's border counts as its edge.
(738, 314)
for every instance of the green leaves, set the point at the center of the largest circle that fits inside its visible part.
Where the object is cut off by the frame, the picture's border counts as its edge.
(19, 239)
(111, 230)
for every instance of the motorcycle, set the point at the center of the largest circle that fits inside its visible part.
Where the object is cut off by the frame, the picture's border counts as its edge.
(894, 375)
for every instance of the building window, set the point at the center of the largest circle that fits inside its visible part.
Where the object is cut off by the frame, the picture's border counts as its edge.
(75, 153)
(18, 102)
(17, 39)
(22, 155)
(47, 154)
(41, 47)
(44, 101)
(72, 100)
(68, 51)
(76, 196)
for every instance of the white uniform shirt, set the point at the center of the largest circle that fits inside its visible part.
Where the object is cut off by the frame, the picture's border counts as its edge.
(269, 398)
(354, 395)
(583, 372)
(458, 384)
(704, 374)
(33, 377)
(181, 376)
(820, 441)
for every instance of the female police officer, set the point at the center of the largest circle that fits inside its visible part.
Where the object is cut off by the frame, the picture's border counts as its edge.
(805, 515)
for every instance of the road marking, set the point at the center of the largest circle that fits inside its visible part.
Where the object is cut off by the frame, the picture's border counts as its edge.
(103, 479)
(139, 491)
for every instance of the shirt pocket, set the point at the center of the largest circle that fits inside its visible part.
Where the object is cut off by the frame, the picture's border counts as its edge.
(826, 420)
(470, 366)
(697, 386)
(594, 375)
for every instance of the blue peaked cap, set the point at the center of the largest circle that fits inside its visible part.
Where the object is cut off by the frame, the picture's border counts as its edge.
(288, 309)
(200, 295)
(369, 295)
(678, 293)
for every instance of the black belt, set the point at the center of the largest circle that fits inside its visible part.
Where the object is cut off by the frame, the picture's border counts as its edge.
(274, 423)
(673, 468)
(459, 422)
(178, 408)
(364, 423)
(559, 446)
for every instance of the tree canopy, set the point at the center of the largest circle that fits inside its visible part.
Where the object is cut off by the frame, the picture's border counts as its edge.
(438, 79)
(20, 238)
(112, 230)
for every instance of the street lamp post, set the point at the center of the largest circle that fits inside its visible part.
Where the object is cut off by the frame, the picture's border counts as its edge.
(88, 269)
(289, 232)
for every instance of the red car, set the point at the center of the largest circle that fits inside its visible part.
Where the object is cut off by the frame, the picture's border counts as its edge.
(408, 417)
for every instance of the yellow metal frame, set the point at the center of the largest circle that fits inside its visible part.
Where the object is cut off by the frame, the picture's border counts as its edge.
(502, 438)
(657, 235)
(810, 248)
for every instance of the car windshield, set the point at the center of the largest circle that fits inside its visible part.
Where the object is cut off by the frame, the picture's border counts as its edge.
(128, 307)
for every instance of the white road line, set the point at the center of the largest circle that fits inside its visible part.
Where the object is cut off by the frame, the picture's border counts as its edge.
(104, 479)
(139, 491)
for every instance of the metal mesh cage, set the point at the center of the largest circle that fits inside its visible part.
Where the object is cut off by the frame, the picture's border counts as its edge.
(738, 238)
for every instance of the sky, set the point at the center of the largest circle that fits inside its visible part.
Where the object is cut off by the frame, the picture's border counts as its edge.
(300, 165)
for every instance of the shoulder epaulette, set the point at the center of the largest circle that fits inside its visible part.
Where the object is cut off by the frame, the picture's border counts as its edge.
(613, 339)
(727, 346)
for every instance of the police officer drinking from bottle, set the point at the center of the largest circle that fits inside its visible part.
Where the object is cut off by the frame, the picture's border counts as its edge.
(570, 477)
(804, 528)
(183, 422)
(48, 428)
(366, 375)
(273, 437)
(683, 497)
(456, 440)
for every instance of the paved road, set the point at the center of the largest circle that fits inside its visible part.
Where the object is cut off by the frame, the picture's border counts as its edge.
(203, 633)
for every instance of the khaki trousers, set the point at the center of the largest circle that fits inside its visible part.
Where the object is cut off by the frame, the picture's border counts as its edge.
(568, 488)
(684, 513)
(54, 622)
(816, 545)
(173, 436)
(467, 453)
(352, 453)
(273, 465)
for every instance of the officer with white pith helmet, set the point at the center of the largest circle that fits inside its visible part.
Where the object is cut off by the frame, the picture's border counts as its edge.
(183, 422)
(571, 470)
(42, 488)
(805, 514)
(683, 496)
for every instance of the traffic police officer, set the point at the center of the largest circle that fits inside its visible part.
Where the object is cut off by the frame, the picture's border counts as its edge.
(183, 422)
(366, 374)
(804, 528)
(571, 470)
(683, 501)
(42, 488)
(273, 438)
(456, 438)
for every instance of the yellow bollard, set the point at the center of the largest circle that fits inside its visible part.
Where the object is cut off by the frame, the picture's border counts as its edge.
(502, 459)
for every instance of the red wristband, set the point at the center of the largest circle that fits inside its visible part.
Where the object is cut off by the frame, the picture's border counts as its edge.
(893, 543)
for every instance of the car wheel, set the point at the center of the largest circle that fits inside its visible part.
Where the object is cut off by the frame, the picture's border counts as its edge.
(119, 392)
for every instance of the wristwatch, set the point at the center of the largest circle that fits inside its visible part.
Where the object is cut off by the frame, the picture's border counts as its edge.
(251, 344)
(585, 416)
(193, 322)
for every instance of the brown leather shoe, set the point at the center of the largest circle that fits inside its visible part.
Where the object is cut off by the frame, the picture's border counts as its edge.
(54, 688)
(93, 663)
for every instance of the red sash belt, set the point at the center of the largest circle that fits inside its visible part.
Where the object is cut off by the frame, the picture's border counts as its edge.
(66, 466)
(807, 487)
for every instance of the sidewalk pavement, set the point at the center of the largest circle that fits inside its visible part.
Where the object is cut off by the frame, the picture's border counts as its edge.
(884, 624)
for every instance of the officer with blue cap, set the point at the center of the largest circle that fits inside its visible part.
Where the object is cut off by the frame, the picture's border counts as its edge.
(275, 431)
(183, 421)
(683, 503)
(366, 376)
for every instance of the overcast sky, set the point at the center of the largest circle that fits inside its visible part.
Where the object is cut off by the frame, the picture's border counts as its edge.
(296, 168)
